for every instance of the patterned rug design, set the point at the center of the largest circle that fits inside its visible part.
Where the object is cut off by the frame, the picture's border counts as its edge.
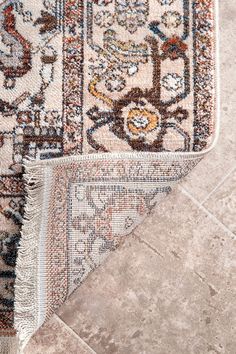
(111, 102)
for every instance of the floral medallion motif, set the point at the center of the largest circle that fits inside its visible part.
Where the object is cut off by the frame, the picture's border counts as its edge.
(141, 120)
(171, 19)
(104, 19)
(131, 14)
(173, 82)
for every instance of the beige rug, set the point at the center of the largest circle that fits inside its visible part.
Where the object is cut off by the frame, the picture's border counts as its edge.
(104, 106)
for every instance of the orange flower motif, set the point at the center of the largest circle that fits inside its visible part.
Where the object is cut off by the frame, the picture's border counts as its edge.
(141, 121)
(174, 47)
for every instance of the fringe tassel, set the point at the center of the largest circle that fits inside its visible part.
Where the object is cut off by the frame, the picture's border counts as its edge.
(26, 296)
(8, 345)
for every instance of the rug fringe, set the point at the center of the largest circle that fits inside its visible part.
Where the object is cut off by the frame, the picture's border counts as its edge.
(26, 297)
(8, 345)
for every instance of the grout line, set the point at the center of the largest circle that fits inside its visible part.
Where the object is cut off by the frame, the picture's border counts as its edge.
(218, 185)
(201, 207)
(83, 343)
(140, 239)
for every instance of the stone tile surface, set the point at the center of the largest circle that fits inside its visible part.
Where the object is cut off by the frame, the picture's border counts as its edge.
(170, 289)
(222, 203)
(55, 338)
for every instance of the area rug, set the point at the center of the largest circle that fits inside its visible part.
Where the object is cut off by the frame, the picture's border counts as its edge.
(104, 106)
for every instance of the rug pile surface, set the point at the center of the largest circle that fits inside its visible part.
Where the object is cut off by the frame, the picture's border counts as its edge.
(104, 105)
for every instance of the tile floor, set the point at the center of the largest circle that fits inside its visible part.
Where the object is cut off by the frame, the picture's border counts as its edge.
(170, 289)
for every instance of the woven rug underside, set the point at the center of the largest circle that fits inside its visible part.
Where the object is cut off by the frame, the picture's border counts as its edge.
(104, 106)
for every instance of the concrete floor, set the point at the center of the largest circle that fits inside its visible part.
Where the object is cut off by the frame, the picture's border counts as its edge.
(170, 289)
